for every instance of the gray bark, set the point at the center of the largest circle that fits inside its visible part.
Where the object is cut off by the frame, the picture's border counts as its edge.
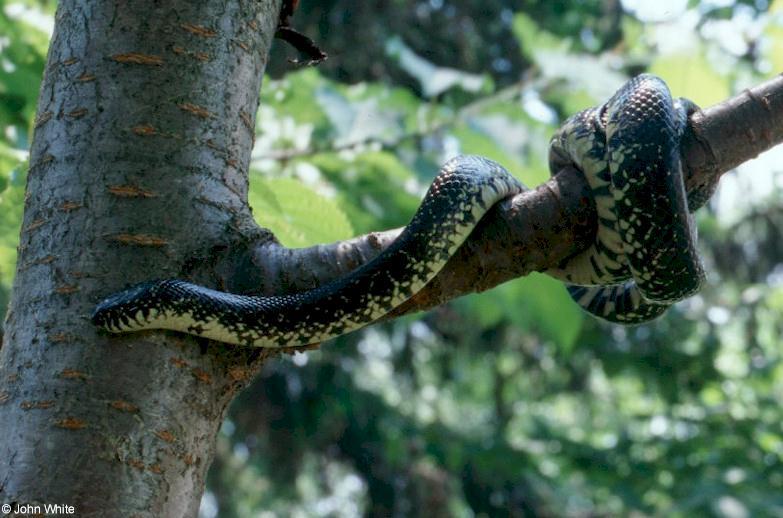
(139, 170)
(138, 165)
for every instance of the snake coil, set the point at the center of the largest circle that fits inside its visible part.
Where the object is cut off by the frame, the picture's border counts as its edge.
(644, 255)
(643, 258)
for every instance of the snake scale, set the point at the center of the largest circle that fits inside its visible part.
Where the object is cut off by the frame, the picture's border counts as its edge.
(644, 255)
(642, 260)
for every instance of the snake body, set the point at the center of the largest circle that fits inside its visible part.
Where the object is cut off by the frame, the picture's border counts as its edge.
(644, 255)
(463, 191)
(642, 260)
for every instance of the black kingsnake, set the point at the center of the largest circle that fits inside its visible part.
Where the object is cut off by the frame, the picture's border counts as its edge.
(644, 255)
(643, 258)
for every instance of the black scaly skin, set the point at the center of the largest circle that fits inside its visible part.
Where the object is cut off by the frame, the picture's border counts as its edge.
(644, 257)
(465, 188)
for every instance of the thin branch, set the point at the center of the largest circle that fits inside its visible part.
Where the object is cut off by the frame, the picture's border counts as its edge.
(539, 228)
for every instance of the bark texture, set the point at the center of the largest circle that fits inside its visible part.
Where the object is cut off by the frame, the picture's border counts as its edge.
(138, 165)
(138, 171)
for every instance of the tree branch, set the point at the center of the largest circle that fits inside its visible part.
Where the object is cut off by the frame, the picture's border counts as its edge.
(534, 230)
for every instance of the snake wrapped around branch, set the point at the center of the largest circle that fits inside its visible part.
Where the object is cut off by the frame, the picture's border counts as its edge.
(642, 260)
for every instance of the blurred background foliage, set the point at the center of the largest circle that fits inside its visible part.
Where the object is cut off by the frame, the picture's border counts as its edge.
(511, 402)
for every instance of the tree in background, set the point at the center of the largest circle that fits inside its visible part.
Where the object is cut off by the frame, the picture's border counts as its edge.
(507, 403)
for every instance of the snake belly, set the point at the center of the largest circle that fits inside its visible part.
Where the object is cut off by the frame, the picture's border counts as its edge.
(644, 257)
(463, 191)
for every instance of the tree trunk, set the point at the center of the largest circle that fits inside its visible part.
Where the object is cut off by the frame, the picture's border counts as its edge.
(138, 165)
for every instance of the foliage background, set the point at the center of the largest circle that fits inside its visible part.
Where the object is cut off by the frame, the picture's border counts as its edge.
(511, 402)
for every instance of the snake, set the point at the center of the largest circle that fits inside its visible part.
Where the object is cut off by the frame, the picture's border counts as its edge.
(643, 257)
(465, 188)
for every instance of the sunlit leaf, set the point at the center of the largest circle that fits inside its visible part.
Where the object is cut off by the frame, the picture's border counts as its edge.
(774, 37)
(434, 80)
(692, 77)
(11, 206)
(296, 215)
(376, 190)
(536, 302)
(532, 39)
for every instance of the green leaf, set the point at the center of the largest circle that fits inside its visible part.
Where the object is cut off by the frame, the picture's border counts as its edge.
(536, 302)
(545, 304)
(774, 35)
(532, 39)
(478, 139)
(376, 190)
(11, 206)
(551, 55)
(297, 215)
(23, 55)
(294, 96)
(434, 80)
(691, 76)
